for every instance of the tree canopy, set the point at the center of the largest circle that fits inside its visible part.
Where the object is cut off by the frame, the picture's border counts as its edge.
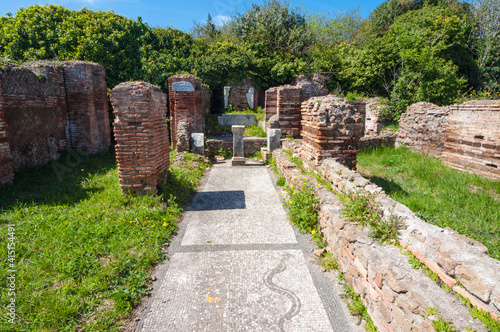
(405, 51)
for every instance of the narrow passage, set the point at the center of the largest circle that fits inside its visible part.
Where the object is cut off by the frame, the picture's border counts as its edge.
(237, 264)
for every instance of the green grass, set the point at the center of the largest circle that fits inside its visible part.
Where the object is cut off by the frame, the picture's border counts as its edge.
(254, 131)
(258, 112)
(392, 127)
(438, 194)
(84, 251)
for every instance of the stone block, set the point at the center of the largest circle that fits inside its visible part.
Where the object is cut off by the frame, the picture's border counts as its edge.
(198, 143)
(473, 284)
(237, 119)
(182, 86)
(273, 139)
(238, 147)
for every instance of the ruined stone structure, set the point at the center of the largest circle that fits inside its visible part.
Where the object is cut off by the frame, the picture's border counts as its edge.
(141, 134)
(465, 136)
(46, 107)
(311, 85)
(87, 101)
(287, 116)
(241, 94)
(187, 98)
(331, 128)
(374, 117)
(283, 103)
(473, 137)
(396, 295)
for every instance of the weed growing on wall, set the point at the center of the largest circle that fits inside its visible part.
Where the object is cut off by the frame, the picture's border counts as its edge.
(254, 131)
(357, 308)
(483, 316)
(362, 210)
(302, 207)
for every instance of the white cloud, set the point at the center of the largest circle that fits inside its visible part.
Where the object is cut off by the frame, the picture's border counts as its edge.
(221, 19)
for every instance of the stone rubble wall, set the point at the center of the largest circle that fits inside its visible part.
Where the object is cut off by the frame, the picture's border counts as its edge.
(46, 107)
(384, 139)
(465, 136)
(374, 116)
(311, 85)
(189, 107)
(331, 128)
(423, 128)
(141, 134)
(396, 295)
(238, 94)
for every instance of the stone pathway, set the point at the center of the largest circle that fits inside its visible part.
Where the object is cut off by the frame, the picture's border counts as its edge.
(237, 264)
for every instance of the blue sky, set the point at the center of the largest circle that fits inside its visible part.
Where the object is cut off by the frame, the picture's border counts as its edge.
(180, 14)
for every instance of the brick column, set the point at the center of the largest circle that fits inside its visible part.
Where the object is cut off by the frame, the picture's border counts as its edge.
(331, 129)
(79, 83)
(142, 149)
(188, 99)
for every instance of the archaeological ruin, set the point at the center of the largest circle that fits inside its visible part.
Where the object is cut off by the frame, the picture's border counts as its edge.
(62, 105)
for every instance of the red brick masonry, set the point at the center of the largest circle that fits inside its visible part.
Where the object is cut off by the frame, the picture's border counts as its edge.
(189, 106)
(46, 107)
(465, 136)
(331, 128)
(141, 134)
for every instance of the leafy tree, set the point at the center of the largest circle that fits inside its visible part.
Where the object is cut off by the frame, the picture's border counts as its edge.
(426, 72)
(279, 28)
(486, 42)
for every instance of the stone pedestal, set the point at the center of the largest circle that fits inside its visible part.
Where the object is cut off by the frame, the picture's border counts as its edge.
(198, 143)
(238, 151)
(273, 139)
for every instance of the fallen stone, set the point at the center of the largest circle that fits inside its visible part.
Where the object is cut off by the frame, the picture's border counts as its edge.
(445, 261)
(319, 252)
(473, 284)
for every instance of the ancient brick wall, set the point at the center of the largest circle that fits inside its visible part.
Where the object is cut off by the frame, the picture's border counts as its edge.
(187, 109)
(423, 127)
(465, 136)
(86, 97)
(472, 137)
(141, 134)
(283, 103)
(271, 106)
(238, 94)
(331, 129)
(6, 168)
(396, 295)
(47, 107)
(288, 99)
(34, 108)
